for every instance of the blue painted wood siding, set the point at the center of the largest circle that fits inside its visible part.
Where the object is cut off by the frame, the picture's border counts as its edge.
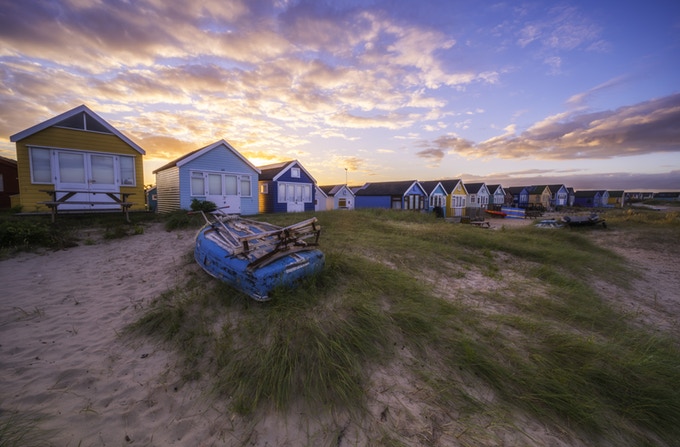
(373, 202)
(389, 201)
(270, 203)
(498, 197)
(438, 195)
(415, 190)
(219, 160)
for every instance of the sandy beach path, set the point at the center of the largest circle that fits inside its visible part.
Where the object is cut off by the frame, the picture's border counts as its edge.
(61, 353)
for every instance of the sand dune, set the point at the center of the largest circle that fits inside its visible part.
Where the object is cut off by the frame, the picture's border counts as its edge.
(62, 356)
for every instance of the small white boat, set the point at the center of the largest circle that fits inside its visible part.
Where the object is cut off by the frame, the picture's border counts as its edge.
(549, 223)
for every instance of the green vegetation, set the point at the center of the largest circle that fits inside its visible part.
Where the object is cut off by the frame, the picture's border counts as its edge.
(202, 205)
(400, 288)
(21, 430)
(26, 232)
(544, 343)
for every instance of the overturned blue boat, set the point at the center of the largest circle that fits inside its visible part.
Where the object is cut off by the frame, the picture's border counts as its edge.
(257, 257)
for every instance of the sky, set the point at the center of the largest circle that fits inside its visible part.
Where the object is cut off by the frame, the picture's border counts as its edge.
(585, 93)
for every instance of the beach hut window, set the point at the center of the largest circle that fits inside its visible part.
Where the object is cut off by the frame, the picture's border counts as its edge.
(295, 172)
(264, 188)
(71, 167)
(230, 185)
(103, 170)
(197, 184)
(246, 190)
(41, 169)
(292, 192)
(215, 184)
(127, 170)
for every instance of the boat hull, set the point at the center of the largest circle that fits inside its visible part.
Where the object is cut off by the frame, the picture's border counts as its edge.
(549, 223)
(584, 221)
(286, 269)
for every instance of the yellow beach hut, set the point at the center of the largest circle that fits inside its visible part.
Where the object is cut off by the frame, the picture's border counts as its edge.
(77, 161)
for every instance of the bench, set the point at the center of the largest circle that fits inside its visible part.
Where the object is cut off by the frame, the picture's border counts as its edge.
(118, 198)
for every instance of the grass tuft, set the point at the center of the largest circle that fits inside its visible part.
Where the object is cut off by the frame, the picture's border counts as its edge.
(556, 350)
(19, 429)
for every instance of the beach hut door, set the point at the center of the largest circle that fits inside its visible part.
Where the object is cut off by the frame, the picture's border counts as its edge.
(90, 174)
(223, 192)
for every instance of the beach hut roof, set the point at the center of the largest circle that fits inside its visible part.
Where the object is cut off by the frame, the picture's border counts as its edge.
(81, 118)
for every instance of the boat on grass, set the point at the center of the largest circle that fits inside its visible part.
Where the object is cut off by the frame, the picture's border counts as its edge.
(496, 213)
(584, 221)
(257, 257)
(549, 223)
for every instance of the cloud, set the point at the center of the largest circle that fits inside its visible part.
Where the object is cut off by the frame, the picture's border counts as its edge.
(563, 28)
(580, 99)
(666, 181)
(271, 77)
(238, 66)
(352, 163)
(560, 29)
(390, 121)
(452, 144)
(434, 155)
(643, 128)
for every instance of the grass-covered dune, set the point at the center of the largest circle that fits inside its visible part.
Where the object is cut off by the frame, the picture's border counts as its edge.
(421, 332)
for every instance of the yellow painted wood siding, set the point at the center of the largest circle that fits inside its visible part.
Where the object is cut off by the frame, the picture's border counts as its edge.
(60, 138)
(542, 198)
(456, 211)
(545, 198)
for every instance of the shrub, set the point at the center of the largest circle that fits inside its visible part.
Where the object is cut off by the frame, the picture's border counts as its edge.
(203, 205)
(22, 234)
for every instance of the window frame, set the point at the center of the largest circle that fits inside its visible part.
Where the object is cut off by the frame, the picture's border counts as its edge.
(288, 192)
(241, 179)
(31, 152)
(54, 153)
(196, 175)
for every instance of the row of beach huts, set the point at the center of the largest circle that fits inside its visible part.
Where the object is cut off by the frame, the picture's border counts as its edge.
(77, 161)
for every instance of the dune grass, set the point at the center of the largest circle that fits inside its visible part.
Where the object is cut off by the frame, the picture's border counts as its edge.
(22, 429)
(29, 232)
(558, 351)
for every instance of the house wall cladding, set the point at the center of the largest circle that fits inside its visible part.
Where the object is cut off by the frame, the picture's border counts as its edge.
(270, 203)
(345, 196)
(373, 202)
(218, 161)
(72, 139)
(167, 182)
(10, 184)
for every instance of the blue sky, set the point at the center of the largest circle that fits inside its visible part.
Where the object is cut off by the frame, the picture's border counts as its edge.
(585, 93)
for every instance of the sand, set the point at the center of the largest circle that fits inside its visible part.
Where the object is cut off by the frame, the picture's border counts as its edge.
(62, 355)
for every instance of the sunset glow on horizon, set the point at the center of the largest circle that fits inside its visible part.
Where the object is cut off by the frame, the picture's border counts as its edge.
(575, 92)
